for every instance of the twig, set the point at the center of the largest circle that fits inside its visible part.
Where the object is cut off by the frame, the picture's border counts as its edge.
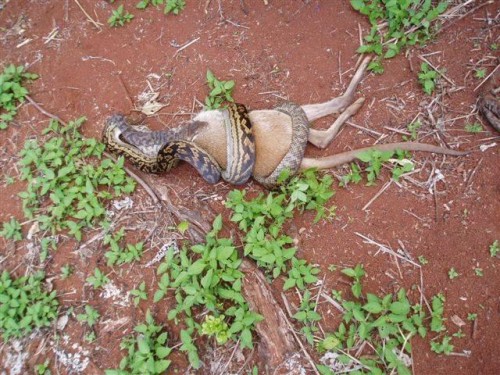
(207, 4)
(380, 192)
(437, 70)
(333, 302)
(487, 77)
(96, 24)
(230, 357)
(300, 344)
(385, 249)
(185, 46)
(469, 179)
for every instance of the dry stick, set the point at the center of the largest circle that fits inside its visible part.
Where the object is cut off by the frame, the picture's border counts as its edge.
(186, 46)
(380, 192)
(97, 25)
(469, 179)
(463, 15)
(385, 249)
(487, 77)
(141, 182)
(437, 70)
(333, 302)
(291, 328)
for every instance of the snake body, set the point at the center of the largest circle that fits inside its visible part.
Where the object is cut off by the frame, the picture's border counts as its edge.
(300, 131)
(157, 152)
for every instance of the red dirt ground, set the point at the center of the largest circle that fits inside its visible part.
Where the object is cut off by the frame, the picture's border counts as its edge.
(305, 52)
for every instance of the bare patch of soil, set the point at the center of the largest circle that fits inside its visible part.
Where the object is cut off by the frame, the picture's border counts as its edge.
(304, 51)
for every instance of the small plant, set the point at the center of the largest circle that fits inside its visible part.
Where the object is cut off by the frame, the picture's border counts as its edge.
(171, 6)
(459, 334)
(139, 293)
(217, 327)
(437, 321)
(443, 347)
(66, 271)
(478, 271)
(471, 316)
(413, 129)
(423, 260)
(174, 6)
(90, 316)
(12, 92)
(147, 351)
(207, 275)
(119, 17)
(98, 280)
(474, 128)
(183, 226)
(494, 249)
(427, 78)
(374, 160)
(12, 230)
(385, 323)
(118, 255)
(308, 317)
(65, 189)
(357, 274)
(220, 91)
(396, 25)
(43, 368)
(301, 273)
(480, 73)
(452, 273)
(25, 305)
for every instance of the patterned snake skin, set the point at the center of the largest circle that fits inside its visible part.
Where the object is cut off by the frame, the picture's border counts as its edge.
(300, 132)
(157, 152)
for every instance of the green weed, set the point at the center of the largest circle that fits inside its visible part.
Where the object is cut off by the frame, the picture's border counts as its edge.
(11, 230)
(308, 317)
(428, 78)
(452, 273)
(422, 260)
(43, 368)
(471, 316)
(217, 327)
(263, 217)
(474, 128)
(387, 323)
(139, 293)
(396, 25)
(207, 276)
(12, 92)
(480, 73)
(147, 351)
(494, 249)
(300, 274)
(374, 160)
(118, 255)
(24, 305)
(220, 91)
(66, 190)
(98, 279)
(90, 316)
(119, 17)
(171, 6)
(66, 271)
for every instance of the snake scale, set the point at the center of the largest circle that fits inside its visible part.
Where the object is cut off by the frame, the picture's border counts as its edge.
(159, 151)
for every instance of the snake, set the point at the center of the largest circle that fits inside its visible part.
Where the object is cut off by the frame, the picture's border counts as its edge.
(292, 159)
(157, 152)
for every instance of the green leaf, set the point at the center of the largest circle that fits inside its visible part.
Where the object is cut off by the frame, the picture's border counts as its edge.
(197, 267)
